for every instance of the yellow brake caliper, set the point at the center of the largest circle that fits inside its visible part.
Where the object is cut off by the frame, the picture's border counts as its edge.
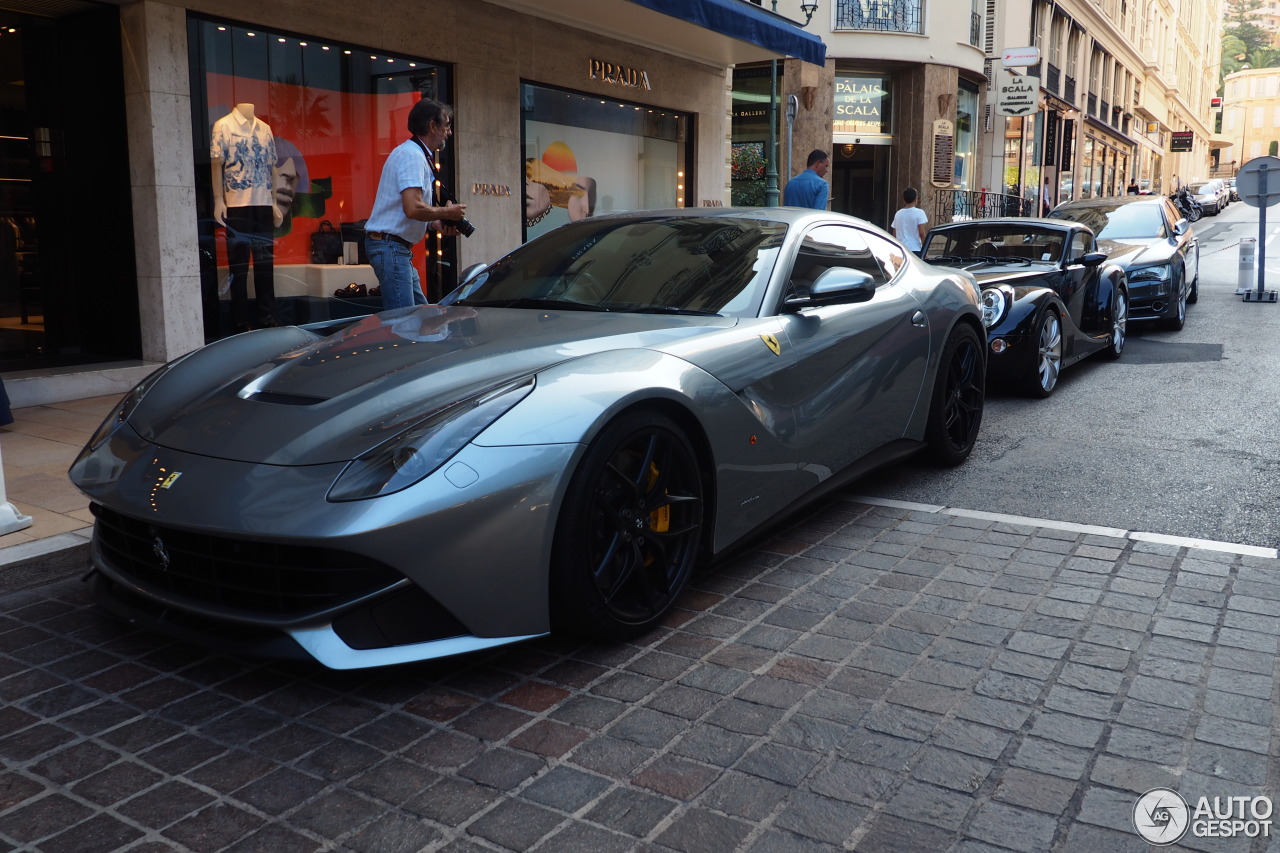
(660, 518)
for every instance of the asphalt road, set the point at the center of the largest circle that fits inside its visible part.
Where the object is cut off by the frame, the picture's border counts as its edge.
(1180, 436)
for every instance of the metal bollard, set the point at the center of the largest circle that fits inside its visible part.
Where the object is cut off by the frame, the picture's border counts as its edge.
(1247, 278)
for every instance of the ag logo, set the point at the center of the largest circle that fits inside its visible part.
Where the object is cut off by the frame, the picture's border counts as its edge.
(1161, 816)
(772, 343)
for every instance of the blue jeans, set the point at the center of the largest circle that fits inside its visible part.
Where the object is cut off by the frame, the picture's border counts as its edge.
(397, 276)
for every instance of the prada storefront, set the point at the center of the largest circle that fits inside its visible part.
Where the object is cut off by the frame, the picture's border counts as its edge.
(556, 116)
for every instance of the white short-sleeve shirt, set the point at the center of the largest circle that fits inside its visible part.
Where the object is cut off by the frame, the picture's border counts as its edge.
(406, 167)
(248, 154)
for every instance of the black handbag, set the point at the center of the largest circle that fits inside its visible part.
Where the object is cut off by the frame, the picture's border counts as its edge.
(326, 244)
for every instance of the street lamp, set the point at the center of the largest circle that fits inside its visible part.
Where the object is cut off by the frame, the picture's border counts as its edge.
(771, 175)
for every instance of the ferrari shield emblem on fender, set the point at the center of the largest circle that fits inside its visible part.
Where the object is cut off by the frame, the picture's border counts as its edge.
(772, 343)
(171, 479)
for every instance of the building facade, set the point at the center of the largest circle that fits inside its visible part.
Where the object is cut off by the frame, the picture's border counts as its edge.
(899, 103)
(114, 256)
(1124, 93)
(1250, 116)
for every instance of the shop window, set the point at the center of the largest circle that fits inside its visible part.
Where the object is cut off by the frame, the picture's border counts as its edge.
(586, 155)
(335, 111)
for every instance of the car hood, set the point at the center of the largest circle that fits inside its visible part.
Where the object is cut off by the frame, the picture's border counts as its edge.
(1015, 274)
(331, 399)
(1127, 253)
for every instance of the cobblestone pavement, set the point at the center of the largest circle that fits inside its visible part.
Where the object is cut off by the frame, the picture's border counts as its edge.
(871, 679)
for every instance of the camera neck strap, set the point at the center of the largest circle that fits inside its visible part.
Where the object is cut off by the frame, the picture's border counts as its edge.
(431, 166)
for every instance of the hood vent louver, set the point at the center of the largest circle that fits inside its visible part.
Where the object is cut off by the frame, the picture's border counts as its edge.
(287, 399)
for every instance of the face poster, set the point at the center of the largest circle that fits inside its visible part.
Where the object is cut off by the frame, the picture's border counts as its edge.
(575, 172)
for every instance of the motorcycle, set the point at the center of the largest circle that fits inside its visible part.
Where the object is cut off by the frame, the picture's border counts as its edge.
(1187, 205)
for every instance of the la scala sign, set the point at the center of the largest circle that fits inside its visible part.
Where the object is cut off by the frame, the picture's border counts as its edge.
(1016, 95)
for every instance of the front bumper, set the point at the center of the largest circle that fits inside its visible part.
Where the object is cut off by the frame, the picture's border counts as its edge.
(253, 559)
(1151, 300)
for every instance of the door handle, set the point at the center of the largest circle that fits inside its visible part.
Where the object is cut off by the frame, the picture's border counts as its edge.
(918, 319)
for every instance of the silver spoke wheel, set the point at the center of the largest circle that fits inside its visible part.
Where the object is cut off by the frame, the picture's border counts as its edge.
(1049, 355)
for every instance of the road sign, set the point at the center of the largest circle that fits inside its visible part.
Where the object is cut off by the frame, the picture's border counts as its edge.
(1019, 57)
(1258, 183)
(1248, 181)
(1016, 95)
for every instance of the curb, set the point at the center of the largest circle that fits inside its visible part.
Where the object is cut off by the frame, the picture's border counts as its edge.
(44, 561)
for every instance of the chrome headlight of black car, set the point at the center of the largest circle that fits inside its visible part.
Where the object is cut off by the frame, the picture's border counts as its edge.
(995, 304)
(1157, 274)
(413, 454)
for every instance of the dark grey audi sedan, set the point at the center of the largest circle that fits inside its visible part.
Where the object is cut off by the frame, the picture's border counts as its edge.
(1154, 245)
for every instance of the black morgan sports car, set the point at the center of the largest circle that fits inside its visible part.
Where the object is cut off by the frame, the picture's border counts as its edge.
(1049, 298)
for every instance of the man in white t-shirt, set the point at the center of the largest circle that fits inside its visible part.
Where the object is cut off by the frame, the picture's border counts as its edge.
(910, 223)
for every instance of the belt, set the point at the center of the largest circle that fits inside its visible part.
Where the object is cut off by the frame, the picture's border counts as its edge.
(380, 235)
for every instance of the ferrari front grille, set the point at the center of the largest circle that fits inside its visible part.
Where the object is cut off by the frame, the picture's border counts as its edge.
(255, 577)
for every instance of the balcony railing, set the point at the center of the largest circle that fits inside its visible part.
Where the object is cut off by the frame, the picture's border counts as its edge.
(975, 29)
(892, 16)
(961, 205)
(1052, 78)
(1070, 91)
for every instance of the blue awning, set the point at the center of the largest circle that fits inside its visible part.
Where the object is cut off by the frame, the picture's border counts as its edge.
(745, 22)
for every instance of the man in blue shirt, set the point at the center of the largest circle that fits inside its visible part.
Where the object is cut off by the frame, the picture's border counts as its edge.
(809, 189)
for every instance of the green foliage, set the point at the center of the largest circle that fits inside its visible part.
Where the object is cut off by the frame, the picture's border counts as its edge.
(1273, 148)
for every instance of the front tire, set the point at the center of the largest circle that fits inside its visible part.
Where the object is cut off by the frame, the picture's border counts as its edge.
(959, 393)
(1119, 324)
(629, 531)
(1178, 319)
(1046, 359)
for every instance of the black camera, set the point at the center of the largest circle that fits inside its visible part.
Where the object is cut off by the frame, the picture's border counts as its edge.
(464, 226)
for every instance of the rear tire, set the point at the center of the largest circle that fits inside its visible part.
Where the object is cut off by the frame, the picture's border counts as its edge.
(955, 411)
(629, 531)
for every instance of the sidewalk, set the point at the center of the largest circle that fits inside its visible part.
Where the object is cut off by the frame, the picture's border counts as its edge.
(874, 678)
(37, 449)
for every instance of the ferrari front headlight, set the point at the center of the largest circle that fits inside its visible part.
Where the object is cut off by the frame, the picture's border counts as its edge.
(120, 414)
(995, 304)
(413, 454)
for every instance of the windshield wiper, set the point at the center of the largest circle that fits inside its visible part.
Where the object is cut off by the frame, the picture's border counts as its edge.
(667, 309)
(531, 302)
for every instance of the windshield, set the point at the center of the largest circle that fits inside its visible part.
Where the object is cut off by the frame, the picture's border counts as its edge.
(983, 242)
(684, 264)
(1118, 222)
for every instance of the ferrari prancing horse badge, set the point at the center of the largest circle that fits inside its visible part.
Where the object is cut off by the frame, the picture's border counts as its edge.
(772, 343)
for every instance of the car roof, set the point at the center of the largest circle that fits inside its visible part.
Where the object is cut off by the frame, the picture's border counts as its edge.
(1109, 201)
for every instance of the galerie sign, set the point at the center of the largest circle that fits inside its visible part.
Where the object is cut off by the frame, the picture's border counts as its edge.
(860, 104)
(1016, 95)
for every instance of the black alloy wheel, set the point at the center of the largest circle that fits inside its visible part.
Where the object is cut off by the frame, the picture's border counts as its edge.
(959, 394)
(630, 529)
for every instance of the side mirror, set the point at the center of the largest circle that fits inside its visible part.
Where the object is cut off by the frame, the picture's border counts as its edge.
(838, 284)
(1181, 227)
(1093, 259)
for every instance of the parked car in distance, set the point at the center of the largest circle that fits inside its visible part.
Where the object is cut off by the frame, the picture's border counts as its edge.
(1211, 194)
(1049, 299)
(553, 447)
(1154, 245)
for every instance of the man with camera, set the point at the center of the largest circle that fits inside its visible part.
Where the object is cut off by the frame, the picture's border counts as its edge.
(404, 208)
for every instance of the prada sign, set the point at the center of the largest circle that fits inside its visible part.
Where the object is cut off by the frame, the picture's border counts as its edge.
(619, 75)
